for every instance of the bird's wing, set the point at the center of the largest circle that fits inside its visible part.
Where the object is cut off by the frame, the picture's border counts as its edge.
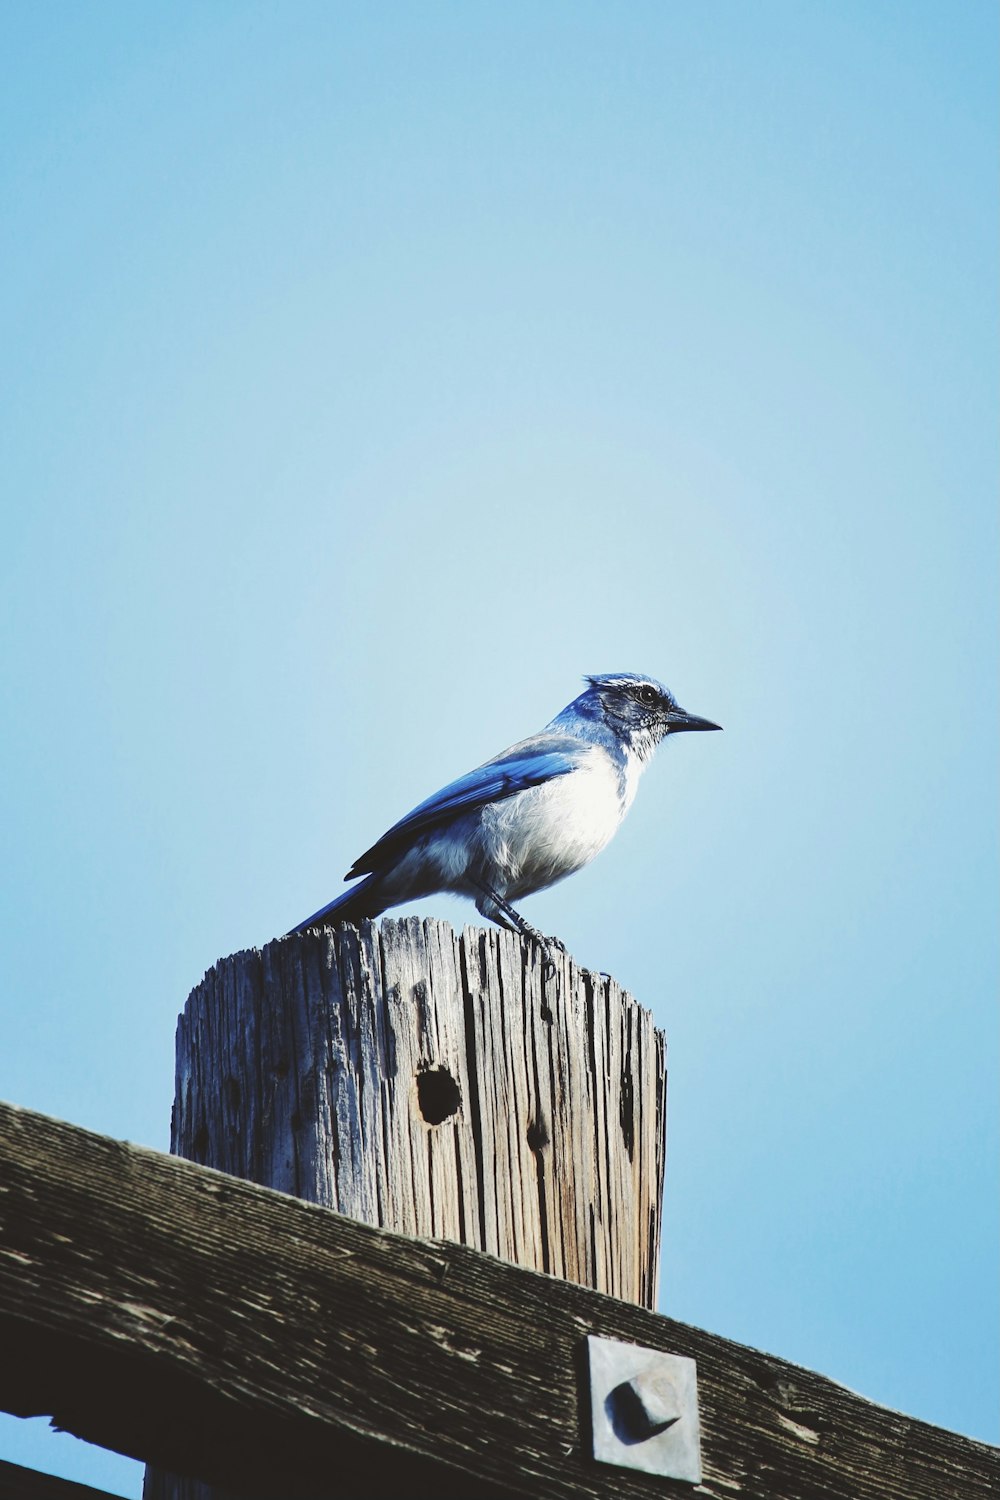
(525, 765)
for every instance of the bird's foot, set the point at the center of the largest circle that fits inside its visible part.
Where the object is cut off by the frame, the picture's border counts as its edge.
(551, 948)
(548, 947)
(500, 911)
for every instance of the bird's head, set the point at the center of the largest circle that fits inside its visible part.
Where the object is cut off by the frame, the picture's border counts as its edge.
(638, 710)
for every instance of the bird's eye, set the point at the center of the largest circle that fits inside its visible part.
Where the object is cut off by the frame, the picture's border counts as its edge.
(647, 694)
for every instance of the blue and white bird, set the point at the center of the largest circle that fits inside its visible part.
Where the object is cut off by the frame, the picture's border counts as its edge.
(527, 818)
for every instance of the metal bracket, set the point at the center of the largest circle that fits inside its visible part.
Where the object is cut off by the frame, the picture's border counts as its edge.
(644, 1409)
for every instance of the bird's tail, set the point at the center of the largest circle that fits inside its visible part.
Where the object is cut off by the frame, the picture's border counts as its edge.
(363, 900)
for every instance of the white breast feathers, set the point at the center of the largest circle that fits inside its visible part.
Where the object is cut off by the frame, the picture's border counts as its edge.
(547, 832)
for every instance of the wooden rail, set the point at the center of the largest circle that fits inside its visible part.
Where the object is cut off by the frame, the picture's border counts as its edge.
(17, 1483)
(233, 1333)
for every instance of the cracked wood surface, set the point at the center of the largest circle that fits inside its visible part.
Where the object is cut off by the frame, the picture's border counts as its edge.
(438, 1085)
(281, 1350)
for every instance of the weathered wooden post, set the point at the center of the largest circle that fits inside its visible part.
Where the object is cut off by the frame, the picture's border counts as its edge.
(441, 1086)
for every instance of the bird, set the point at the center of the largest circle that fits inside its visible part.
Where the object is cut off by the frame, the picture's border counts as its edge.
(532, 815)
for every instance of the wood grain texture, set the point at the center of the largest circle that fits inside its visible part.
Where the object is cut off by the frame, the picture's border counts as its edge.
(282, 1350)
(438, 1085)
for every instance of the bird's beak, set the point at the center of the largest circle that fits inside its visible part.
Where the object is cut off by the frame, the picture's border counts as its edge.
(681, 720)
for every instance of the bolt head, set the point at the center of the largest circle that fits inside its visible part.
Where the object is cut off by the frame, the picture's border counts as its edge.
(644, 1409)
(656, 1400)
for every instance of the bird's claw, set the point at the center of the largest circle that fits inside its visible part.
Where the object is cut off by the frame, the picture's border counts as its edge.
(550, 947)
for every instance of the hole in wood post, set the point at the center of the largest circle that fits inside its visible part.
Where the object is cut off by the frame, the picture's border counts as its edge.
(438, 1095)
(538, 1136)
(626, 1108)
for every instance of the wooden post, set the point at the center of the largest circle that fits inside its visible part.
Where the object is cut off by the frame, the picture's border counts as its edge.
(437, 1085)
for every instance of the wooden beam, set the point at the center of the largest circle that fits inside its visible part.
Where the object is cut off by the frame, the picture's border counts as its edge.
(17, 1483)
(235, 1334)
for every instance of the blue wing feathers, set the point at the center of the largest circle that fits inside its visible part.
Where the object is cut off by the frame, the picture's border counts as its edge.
(526, 765)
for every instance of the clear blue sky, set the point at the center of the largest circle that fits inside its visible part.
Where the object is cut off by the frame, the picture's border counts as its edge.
(373, 372)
